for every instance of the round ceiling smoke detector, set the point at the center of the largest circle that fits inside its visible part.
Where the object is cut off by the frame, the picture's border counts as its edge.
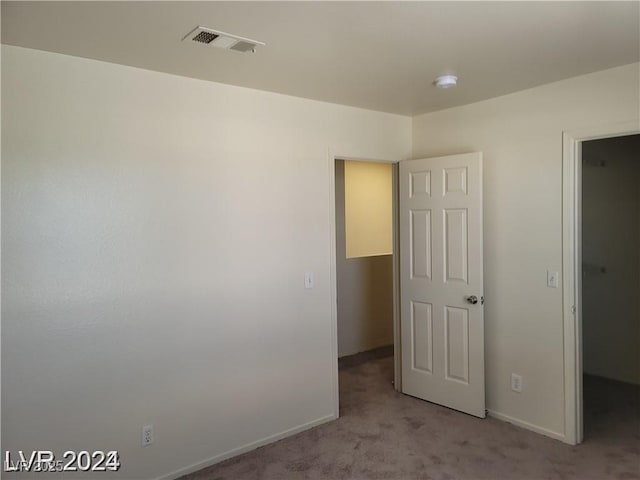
(446, 81)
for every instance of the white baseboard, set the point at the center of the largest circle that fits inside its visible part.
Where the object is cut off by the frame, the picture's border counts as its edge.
(527, 425)
(246, 448)
(306, 426)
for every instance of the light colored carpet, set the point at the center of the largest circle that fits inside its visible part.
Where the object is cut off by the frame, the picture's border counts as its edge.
(382, 434)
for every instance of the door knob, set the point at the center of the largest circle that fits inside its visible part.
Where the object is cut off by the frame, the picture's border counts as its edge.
(472, 299)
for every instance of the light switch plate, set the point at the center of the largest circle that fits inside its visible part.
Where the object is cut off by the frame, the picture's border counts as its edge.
(552, 279)
(308, 280)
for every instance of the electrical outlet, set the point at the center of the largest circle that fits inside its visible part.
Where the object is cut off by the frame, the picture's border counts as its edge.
(147, 435)
(516, 383)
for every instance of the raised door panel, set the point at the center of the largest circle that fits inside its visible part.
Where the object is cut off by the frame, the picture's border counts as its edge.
(455, 244)
(456, 342)
(422, 333)
(420, 246)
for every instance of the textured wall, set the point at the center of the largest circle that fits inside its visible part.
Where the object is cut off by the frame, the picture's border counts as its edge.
(156, 230)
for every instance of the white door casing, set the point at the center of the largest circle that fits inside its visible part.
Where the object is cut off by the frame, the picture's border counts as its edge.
(442, 333)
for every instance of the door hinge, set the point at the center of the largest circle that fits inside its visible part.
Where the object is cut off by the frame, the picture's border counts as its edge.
(573, 309)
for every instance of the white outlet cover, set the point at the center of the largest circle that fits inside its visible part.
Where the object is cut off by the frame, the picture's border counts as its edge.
(516, 383)
(147, 435)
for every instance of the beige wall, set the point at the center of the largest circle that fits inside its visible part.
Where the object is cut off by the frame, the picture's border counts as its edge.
(368, 200)
(156, 231)
(521, 138)
(364, 285)
(611, 239)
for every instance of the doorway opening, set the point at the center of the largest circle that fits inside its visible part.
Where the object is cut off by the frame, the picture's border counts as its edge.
(364, 236)
(611, 289)
(573, 273)
(433, 304)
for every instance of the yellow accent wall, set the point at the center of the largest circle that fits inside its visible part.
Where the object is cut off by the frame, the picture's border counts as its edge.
(368, 209)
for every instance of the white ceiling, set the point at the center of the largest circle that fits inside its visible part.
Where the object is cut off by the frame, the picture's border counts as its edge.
(376, 55)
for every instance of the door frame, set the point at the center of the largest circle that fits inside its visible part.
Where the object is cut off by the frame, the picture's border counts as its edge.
(572, 265)
(397, 370)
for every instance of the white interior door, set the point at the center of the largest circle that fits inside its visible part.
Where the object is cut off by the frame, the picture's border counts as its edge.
(442, 326)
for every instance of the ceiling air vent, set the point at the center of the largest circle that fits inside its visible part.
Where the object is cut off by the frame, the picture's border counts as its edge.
(205, 37)
(215, 38)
